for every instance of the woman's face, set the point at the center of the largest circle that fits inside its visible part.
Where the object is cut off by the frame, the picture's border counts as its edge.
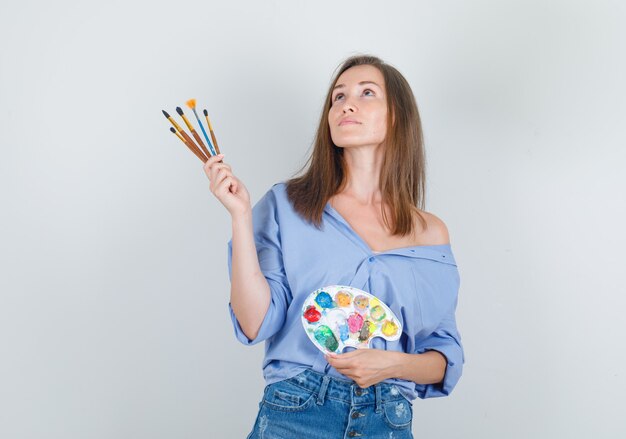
(358, 112)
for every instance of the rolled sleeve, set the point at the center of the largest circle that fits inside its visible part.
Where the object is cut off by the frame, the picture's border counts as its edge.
(267, 240)
(446, 340)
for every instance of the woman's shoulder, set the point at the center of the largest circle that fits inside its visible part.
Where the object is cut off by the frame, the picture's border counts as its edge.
(279, 192)
(278, 187)
(274, 199)
(436, 231)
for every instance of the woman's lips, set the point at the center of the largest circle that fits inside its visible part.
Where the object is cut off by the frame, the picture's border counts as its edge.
(349, 122)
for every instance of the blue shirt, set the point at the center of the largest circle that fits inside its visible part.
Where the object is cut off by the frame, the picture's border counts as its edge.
(420, 284)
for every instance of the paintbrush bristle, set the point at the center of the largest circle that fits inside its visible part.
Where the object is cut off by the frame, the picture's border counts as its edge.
(179, 110)
(173, 130)
(206, 113)
(165, 114)
(191, 103)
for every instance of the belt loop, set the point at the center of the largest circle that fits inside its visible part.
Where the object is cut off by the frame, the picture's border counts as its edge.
(323, 387)
(379, 402)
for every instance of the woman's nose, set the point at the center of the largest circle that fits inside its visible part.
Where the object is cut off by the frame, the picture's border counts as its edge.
(348, 107)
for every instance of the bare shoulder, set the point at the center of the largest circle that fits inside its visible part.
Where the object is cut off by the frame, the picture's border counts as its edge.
(436, 232)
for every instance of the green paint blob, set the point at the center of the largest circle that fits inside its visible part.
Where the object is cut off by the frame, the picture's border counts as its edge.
(324, 335)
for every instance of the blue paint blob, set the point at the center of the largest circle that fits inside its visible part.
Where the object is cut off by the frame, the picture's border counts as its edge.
(344, 332)
(324, 300)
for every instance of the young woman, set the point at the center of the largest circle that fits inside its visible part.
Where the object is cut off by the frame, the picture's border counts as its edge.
(355, 217)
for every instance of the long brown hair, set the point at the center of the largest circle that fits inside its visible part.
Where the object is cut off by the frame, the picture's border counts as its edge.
(402, 176)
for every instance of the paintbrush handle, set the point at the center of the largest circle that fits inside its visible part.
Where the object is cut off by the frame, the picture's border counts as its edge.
(194, 147)
(217, 148)
(206, 137)
(198, 154)
(201, 143)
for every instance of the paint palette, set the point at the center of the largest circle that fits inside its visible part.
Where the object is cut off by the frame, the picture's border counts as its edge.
(337, 316)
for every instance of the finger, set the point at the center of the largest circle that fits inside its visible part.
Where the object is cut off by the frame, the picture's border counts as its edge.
(212, 171)
(215, 170)
(216, 180)
(218, 166)
(212, 160)
(233, 185)
(347, 373)
(340, 361)
(209, 165)
(351, 354)
(340, 356)
(224, 186)
(344, 370)
(220, 177)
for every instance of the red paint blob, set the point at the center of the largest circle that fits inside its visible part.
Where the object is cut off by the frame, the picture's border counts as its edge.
(312, 315)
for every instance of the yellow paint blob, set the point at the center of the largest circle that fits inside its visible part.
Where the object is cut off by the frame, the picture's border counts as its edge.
(389, 328)
(343, 299)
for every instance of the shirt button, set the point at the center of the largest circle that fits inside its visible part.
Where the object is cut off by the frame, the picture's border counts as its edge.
(354, 434)
(358, 392)
(372, 259)
(355, 415)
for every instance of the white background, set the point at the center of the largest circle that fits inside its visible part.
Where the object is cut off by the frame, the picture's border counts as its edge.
(114, 282)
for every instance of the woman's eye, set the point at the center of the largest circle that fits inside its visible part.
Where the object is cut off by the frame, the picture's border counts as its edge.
(364, 91)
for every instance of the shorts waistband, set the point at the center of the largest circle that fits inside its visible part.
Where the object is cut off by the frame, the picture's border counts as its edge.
(327, 386)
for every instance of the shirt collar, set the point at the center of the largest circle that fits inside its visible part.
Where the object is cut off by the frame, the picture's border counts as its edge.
(439, 252)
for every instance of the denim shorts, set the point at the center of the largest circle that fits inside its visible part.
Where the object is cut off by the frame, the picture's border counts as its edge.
(312, 405)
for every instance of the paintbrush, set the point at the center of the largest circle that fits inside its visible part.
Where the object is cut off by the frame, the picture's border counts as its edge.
(193, 131)
(191, 146)
(217, 148)
(188, 141)
(191, 103)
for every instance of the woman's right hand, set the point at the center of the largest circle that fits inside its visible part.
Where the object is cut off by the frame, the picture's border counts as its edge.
(227, 188)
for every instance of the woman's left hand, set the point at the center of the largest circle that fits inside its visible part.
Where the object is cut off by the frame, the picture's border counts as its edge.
(365, 366)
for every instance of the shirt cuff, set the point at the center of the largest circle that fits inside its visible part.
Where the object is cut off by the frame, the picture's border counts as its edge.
(454, 368)
(241, 336)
